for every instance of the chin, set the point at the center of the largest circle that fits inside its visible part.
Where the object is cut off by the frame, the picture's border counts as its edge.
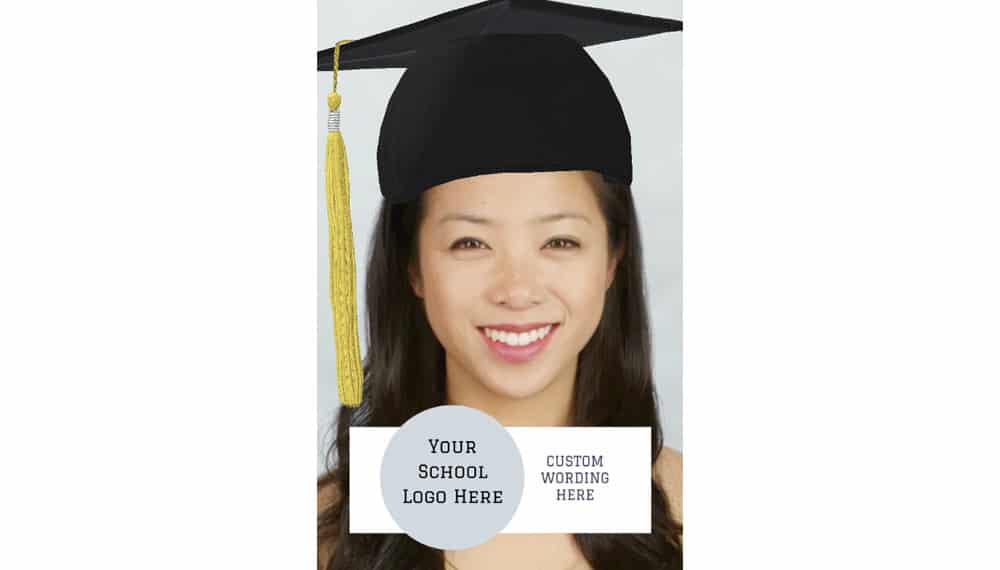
(516, 387)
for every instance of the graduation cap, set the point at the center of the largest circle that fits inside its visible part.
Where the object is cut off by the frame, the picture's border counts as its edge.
(499, 86)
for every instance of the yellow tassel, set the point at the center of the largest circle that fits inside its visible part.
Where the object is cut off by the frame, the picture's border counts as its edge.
(350, 374)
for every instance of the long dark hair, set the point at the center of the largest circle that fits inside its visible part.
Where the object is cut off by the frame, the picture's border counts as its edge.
(405, 374)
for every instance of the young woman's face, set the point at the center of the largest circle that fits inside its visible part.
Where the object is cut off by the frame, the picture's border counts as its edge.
(513, 268)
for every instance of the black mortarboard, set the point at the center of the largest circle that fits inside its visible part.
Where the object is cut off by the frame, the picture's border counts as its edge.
(499, 86)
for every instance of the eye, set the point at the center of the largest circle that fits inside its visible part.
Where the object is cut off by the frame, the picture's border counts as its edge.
(468, 243)
(562, 243)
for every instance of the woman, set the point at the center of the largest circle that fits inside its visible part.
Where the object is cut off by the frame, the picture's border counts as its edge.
(557, 252)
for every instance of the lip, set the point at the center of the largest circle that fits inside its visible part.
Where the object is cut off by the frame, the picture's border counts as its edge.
(518, 354)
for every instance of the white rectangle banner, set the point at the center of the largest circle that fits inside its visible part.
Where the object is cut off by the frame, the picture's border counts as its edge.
(576, 480)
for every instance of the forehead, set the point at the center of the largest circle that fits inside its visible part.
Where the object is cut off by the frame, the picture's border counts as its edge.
(515, 194)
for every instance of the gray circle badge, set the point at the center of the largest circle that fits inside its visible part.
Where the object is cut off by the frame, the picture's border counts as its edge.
(452, 477)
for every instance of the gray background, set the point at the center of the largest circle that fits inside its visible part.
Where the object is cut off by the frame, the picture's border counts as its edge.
(646, 75)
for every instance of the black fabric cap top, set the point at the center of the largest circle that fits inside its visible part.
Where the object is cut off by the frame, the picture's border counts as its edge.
(500, 86)
(503, 103)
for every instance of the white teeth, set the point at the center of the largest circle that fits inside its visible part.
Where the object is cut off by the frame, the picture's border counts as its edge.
(518, 339)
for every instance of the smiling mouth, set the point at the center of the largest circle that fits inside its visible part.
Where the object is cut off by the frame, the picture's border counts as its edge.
(518, 343)
(517, 337)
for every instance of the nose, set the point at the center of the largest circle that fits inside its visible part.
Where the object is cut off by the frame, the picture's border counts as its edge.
(516, 285)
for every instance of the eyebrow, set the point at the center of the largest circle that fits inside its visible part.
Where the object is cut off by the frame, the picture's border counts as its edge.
(560, 216)
(548, 218)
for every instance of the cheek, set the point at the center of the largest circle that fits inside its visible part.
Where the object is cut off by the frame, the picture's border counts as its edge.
(448, 298)
(587, 296)
(582, 289)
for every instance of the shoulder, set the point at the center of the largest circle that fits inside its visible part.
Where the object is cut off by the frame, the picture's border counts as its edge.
(328, 496)
(668, 472)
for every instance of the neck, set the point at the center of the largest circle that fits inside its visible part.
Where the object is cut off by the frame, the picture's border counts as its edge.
(551, 407)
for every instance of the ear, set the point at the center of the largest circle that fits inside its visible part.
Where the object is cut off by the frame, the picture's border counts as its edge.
(613, 260)
(416, 282)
